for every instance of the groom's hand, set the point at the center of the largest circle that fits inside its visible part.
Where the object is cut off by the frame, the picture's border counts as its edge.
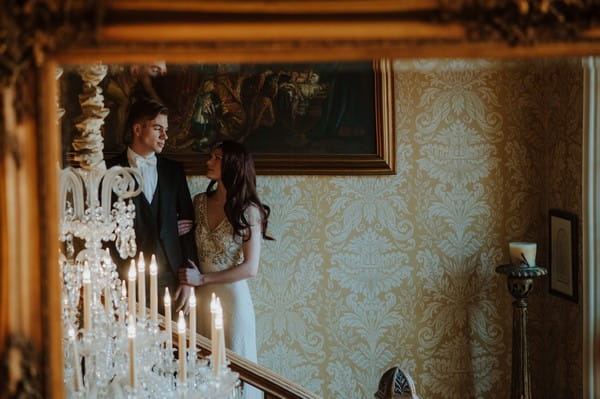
(183, 294)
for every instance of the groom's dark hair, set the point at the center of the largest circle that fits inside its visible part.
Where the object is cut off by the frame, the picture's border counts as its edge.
(141, 111)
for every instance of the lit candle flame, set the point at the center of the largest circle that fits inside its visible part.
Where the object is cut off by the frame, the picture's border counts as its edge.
(132, 271)
(193, 299)
(213, 303)
(141, 263)
(181, 323)
(86, 274)
(167, 297)
(131, 328)
(153, 266)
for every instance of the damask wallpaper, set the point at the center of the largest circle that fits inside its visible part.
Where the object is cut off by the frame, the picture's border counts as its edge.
(371, 272)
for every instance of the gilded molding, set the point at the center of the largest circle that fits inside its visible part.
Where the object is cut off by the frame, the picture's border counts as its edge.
(523, 22)
(20, 370)
(32, 28)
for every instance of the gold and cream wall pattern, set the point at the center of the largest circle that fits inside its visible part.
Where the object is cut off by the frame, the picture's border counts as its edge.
(370, 272)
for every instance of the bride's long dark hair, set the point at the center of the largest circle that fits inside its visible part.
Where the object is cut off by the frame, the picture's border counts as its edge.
(239, 179)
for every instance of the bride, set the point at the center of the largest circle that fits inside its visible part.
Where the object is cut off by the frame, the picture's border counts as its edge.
(230, 221)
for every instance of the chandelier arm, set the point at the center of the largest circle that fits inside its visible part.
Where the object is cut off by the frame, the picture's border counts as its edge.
(71, 182)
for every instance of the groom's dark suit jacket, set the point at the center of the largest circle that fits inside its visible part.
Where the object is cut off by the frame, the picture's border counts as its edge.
(156, 222)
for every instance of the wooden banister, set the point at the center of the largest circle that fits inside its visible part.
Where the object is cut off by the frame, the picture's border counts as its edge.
(273, 385)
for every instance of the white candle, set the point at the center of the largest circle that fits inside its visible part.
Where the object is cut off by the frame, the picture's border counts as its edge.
(141, 287)
(221, 334)
(193, 320)
(131, 335)
(153, 289)
(123, 301)
(131, 289)
(219, 354)
(107, 300)
(213, 332)
(108, 305)
(518, 250)
(87, 299)
(77, 377)
(168, 320)
(181, 335)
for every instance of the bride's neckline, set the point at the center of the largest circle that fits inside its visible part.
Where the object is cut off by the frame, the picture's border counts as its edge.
(216, 227)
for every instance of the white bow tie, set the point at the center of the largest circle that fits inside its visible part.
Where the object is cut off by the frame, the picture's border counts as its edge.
(140, 161)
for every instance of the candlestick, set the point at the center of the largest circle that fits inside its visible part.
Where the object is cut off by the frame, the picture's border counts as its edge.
(193, 320)
(131, 336)
(131, 290)
(153, 289)
(522, 253)
(77, 377)
(87, 299)
(168, 320)
(182, 357)
(141, 287)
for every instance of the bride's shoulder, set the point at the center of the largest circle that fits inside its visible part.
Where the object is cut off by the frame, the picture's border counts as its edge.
(252, 214)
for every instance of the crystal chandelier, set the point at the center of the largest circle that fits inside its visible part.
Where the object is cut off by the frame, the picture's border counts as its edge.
(111, 349)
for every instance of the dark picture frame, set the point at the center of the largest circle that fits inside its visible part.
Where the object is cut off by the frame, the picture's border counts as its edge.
(563, 255)
(334, 118)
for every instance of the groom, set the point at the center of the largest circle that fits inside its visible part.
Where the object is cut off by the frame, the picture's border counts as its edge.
(165, 199)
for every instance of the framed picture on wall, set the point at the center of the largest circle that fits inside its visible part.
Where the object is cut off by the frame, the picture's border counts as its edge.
(563, 258)
(333, 118)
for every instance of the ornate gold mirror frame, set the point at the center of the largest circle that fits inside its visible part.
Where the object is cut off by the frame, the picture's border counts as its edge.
(36, 36)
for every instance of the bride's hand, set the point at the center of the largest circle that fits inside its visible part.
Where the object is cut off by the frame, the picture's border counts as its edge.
(182, 296)
(191, 276)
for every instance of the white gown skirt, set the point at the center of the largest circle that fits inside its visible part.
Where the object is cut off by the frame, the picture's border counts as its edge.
(239, 323)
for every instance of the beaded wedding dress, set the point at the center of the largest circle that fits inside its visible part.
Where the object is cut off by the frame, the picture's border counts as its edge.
(218, 250)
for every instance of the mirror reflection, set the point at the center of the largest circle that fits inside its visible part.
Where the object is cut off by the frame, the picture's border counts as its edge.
(367, 272)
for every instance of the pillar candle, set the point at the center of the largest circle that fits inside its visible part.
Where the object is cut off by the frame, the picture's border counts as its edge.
(193, 320)
(168, 324)
(131, 336)
(153, 289)
(141, 287)
(131, 289)
(181, 336)
(519, 249)
(77, 377)
(87, 298)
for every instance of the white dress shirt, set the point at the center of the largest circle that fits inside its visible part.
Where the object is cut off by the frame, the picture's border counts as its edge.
(147, 168)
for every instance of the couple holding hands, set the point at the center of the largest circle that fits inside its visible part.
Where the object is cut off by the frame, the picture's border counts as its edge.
(210, 244)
